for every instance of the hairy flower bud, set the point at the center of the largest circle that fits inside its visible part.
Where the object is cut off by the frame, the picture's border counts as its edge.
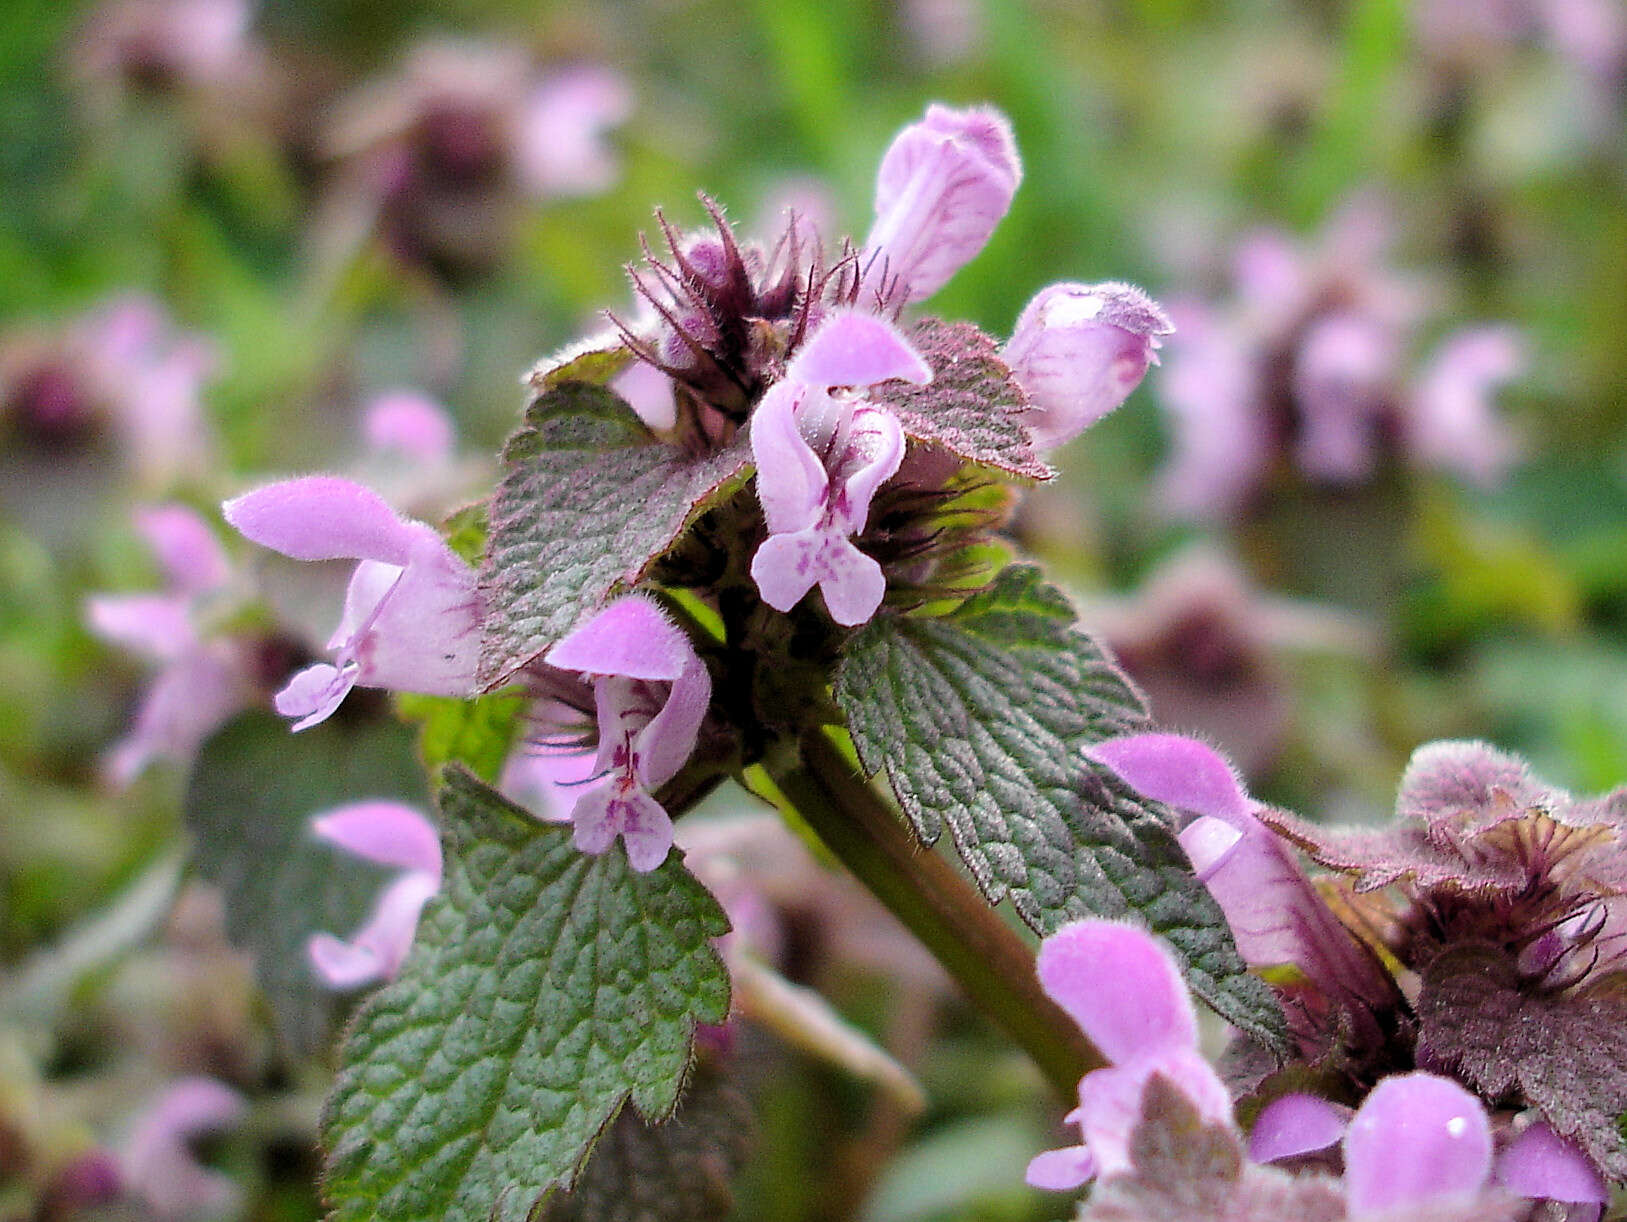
(1079, 350)
(942, 188)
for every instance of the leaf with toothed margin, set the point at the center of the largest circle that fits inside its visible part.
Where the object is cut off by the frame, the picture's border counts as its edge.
(1563, 1053)
(980, 718)
(589, 502)
(594, 360)
(544, 989)
(678, 1171)
(249, 801)
(969, 408)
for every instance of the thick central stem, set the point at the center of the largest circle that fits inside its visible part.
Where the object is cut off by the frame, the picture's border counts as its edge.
(985, 956)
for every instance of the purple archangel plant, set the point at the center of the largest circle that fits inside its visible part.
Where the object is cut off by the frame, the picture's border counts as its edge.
(751, 532)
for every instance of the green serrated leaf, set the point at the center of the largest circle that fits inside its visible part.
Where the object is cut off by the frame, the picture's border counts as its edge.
(678, 1171)
(979, 719)
(589, 502)
(594, 360)
(545, 988)
(252, 792)
(969, 408)
(478, 733)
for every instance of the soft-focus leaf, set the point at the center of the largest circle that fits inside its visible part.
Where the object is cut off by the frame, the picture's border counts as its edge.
(979, 719)
(253, 790)
(478, 733)
(589, 501)
(969, 406)
(545, 988)
(679, 1170)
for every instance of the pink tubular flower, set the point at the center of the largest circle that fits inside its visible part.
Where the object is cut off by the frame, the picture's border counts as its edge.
(1079, 350)
(820, 459)
(1123, 989)
(943, 186)
(1275, 914)
(391, 835)
(651, 691)
(560, 145)
(1417, 1140)
(411, 620)
(157, 1166)
(1450, 421)
(200, 682)
(1544, 1166)
(410, 424)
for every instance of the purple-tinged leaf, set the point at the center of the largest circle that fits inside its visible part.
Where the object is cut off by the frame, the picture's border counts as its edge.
(1564, 1054)
(972, 406)
(589, 502)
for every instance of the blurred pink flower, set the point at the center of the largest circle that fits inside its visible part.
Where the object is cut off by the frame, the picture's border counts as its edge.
(157, 1166)
(389, 834)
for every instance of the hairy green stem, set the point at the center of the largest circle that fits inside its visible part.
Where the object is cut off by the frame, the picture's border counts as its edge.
(938, 904)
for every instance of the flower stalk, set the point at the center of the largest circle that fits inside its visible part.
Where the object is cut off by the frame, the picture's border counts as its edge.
(984, 955)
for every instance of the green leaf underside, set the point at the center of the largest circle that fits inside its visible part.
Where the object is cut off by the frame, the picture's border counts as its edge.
(678, 1171)
(1564, 1054)
(979, 719)
(969, 406)
(588, 502)
(595, 361)
(478, 733)
(545, 987)
(252, 792)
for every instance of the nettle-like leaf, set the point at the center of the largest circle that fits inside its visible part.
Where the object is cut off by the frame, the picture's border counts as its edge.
(970, 407)
(248, 804)
(979, 719)
(1564, 1054)
(594, 360)
(681, 1170)
(590, 500)
(1184, 1167)
(478, 733)
(545, 988)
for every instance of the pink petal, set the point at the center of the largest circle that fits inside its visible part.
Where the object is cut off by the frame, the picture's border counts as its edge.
(380, 946)
(409, 423)
(314, 693)
(1417, 1138)
(631, 637)
(156, 625)
(787, 566)
(943, 186)
(615, 810)
(187, 702)
(343, 965)
(546, 779)
(851, 348)
(791, 481)
(158, 1166)
(185, 548)
(1110, 1101)
(1451, 421)
(1061, 1170)
(1539, 1163)
(384, 832)
(322, 517)
(1296, 1124)
(1121, 987)
(875, 448)
(648, 392)
(425, 631)
(1178, 771)
(669, 739)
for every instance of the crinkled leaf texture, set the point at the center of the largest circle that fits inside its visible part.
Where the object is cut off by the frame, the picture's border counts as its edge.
(970, 407)
(252, 792)
(588, 502)
(679, 1171)
(979, 718)
(1185, 1168)
(545, 988)
(1565, 1054)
